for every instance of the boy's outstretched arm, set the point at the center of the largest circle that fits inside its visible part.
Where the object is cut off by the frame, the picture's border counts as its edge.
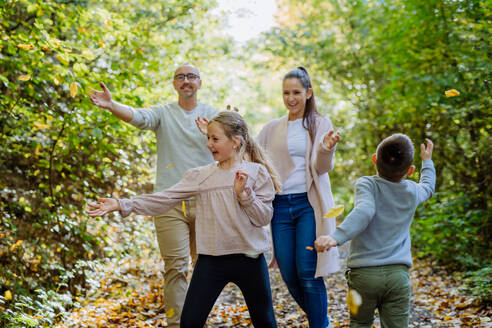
(103, 206)
(361, 215)
(427, 183)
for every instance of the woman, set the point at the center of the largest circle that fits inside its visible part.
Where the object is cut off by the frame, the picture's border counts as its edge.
(302, 147)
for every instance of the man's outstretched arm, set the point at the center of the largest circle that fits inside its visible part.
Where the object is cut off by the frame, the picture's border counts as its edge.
(103, 99)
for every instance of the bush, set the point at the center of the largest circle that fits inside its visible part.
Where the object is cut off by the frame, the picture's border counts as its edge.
(479, 284)
(452, 231)
(449, 229)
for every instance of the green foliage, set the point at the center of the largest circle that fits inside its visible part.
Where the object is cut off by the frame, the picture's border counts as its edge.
(455, 233)
(58, 150)
(479, 284)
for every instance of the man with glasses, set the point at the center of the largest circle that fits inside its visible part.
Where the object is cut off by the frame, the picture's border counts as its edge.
(180, 146)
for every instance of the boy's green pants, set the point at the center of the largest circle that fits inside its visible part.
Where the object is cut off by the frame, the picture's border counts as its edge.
(386, 288)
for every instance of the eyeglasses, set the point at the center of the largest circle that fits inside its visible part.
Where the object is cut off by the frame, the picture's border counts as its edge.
(190, 76)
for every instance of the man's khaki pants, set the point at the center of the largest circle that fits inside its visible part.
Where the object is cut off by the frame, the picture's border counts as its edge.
(176, 237)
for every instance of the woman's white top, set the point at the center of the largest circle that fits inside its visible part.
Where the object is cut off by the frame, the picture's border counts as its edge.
(296, 143)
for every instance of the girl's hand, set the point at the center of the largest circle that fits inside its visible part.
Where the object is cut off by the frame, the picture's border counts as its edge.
(201, 124)
(103, 206)
(324, 243)
(331, 139)
(240, 183)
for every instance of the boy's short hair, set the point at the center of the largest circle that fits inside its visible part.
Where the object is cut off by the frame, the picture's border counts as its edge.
(394, 156)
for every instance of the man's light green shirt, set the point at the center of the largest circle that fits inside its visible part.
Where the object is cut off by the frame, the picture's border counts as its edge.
(180, 145)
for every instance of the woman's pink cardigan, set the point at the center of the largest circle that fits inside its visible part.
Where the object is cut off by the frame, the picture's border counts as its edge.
(319, 161)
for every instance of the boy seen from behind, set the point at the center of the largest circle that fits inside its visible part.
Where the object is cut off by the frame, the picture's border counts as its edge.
(379, 227)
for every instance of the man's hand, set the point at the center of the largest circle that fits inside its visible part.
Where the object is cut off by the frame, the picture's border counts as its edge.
(426, 151)
(103, 98)
(324, 243)
(331, 139)
(103, 206)
(228, 107)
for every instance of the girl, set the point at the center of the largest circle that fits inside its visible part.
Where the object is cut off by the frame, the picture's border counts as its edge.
(233, 204)
(302, 147)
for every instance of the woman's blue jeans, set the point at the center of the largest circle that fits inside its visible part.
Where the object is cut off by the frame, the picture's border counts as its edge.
(294, 229)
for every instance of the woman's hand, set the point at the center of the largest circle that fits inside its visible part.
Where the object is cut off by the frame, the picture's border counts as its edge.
(331, 139)
(103, 206)
(240, 184)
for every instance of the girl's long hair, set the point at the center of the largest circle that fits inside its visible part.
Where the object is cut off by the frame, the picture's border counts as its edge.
(234, 125)
(310, 112)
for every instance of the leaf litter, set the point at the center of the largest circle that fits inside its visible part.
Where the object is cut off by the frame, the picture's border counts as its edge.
(132, 297)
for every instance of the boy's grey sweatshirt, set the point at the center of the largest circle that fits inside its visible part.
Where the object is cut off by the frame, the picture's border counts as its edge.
(379, 224)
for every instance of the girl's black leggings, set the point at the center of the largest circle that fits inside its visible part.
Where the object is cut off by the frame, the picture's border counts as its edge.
(210, 276)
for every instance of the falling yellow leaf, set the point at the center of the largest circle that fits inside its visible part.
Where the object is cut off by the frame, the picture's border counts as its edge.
(8, 295)
(26, 77)
(170, 165)
(309, 248)
(73, 89)
(451, 93)
(41, 125)
(139, 50)
(101, 44)
(334, 212)
(108, 22)
(354, 300)
(183, 207)
(25, 46)
(170, 313)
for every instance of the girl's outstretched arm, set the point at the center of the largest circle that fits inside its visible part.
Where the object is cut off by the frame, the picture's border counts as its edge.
(149, 204)
(103, 206)
(161, 202)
